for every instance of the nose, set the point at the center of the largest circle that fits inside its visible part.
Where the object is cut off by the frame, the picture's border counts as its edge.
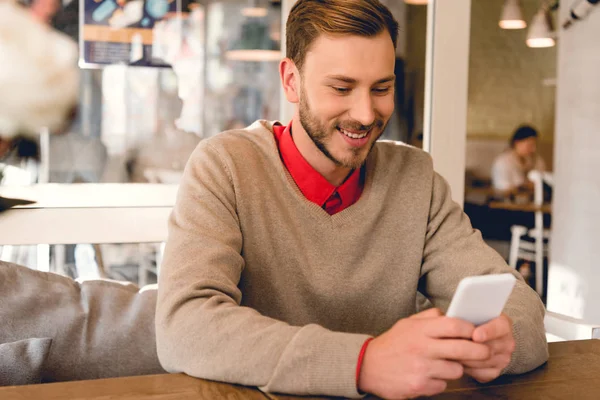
(363, 110)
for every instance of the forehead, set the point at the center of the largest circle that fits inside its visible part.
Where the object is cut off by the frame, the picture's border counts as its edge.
(528, 139)
(362, 58)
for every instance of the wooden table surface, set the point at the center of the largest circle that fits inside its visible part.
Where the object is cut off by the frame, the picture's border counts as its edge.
(573, 372)
(546, 208)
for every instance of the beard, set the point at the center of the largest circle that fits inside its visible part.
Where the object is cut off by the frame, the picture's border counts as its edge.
(321, 135)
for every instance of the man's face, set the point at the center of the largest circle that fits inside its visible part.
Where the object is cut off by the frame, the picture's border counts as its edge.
(526, 147)
(347, 95)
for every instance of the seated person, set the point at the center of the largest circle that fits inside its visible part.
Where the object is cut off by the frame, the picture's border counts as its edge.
(295, 253)
(41, 80)
(510, 169)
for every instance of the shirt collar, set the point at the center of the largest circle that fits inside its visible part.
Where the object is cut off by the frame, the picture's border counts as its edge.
(311, 183)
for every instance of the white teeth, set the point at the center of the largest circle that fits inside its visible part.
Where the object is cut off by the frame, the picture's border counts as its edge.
(354, 135)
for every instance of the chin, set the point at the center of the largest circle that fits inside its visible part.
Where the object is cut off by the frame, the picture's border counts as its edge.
(352, 162)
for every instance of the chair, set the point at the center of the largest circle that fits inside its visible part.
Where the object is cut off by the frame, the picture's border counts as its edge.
(522, 249)
(560, 327)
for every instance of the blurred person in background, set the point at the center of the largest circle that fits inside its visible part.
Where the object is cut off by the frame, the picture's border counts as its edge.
(510, 169)
(39, 72)
(39, 79)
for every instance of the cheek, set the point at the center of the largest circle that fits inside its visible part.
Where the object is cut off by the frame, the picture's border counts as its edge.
(329, 107)
(385, 106)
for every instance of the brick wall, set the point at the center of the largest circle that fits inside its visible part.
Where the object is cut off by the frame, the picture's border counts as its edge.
(506, 77)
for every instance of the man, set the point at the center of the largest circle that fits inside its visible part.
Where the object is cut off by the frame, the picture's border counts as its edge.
(510, 169)
(295, 253)
(39, 79)
(39, 83)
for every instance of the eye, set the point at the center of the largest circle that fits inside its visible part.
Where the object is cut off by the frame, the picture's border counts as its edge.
(341, 90)
(381, 91)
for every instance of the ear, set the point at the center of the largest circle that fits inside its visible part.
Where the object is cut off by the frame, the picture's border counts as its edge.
(290, 79)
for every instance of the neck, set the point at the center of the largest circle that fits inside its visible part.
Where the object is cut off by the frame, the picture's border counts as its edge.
(335, 174)
(521, 156)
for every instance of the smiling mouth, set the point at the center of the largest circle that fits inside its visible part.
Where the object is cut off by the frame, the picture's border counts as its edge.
(354, 135)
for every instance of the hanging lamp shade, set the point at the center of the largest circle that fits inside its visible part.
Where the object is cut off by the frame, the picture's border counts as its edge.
(254, 12)
(255, 9)
(540, 32)
(255, 44)
(512, 16)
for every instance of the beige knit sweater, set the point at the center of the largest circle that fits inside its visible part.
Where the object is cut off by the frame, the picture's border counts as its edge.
(261, 287)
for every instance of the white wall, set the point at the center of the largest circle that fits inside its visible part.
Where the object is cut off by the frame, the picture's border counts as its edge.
(574, 274)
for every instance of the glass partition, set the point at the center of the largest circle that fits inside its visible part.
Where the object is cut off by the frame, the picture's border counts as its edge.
(158, 77)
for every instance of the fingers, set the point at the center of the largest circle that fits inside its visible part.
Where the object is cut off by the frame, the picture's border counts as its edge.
(458, 350)
(430, 313)
(422, 386)
(498, 361)
(446, 370)
(483, 375)
(504, 345)
(494, 329)
(445, 327)
(435, 386)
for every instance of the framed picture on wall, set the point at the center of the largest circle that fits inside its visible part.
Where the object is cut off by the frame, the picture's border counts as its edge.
(123, 31)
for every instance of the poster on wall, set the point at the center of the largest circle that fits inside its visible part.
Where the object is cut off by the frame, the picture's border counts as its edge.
(122, 31)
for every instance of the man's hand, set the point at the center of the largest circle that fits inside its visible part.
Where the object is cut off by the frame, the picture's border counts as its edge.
(418, 355)
(498, 336)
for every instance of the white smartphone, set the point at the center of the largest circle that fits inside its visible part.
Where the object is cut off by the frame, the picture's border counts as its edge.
(479, 299)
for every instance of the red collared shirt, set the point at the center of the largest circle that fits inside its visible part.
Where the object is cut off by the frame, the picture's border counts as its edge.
(312, 184)
(318, 190)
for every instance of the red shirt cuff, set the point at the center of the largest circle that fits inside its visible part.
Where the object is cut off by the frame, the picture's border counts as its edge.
(361, 355)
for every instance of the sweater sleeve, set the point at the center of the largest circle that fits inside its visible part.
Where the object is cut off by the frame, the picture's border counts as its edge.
(203, 331)
(454, 250)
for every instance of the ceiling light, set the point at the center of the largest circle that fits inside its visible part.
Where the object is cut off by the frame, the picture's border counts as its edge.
(255, 9)
(540, 32)
(254, 55)
(254, 44)
(512, 16)
(254, 12)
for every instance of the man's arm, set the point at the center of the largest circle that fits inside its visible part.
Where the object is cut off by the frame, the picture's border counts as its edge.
(201, 328)
(454, 250)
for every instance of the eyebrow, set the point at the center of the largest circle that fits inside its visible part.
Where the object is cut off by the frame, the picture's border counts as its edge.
(349, 80)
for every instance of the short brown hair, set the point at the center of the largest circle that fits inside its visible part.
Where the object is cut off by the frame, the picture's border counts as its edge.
(310, 18)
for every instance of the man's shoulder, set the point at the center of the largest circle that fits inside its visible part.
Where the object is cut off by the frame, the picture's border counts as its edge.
(399, 152)
(259, 134)
(398, 164)
(254, 141)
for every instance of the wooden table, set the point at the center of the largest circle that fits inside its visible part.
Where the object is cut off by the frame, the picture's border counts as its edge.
(546, 208)
(572, 372)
